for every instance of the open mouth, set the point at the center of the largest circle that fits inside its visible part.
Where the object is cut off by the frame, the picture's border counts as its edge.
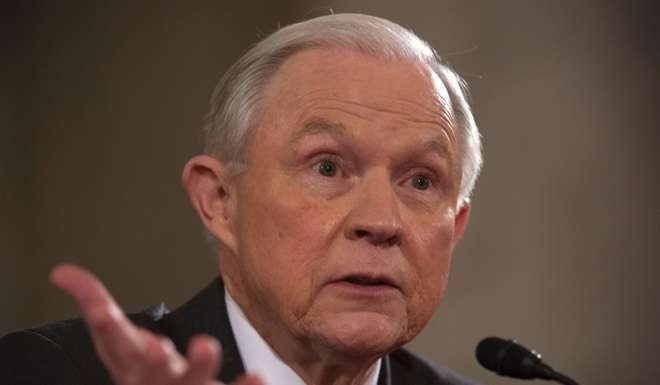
(364, 280)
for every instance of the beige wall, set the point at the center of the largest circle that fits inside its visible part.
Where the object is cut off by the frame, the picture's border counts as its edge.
(103, 107)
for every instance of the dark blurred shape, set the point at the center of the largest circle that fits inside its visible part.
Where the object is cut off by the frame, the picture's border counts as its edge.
(508, 358)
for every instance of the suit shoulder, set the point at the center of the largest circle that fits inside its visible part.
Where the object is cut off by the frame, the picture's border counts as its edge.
(410, 368)
(60, 352)
(31, 358)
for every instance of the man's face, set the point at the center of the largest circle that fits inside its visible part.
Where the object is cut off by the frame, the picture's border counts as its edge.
(346, 216)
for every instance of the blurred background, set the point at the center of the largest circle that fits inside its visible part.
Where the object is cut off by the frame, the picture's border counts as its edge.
(101, 106)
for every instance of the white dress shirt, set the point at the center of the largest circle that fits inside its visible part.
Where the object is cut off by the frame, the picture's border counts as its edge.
(259, 358)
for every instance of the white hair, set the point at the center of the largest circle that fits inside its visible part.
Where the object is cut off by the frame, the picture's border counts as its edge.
(235, 104)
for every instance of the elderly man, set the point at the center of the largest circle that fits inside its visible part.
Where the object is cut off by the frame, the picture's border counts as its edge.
(340, 157)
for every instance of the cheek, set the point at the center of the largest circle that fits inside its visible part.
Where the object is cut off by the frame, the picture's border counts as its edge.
(431, 265)
(284, 237)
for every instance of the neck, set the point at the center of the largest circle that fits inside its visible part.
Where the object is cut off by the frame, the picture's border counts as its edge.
(320, 366)
(314, 363)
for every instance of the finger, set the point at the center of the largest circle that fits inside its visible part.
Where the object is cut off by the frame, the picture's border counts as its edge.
(249, 379)
(203, 361)
(162, 354)
(160, 349)
(116, 340)
(162, 363)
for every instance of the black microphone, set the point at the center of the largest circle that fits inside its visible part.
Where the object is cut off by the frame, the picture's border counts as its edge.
(508, 358)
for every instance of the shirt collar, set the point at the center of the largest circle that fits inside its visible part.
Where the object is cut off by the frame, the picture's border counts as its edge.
(259, 358)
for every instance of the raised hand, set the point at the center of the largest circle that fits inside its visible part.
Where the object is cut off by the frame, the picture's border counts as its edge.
(133, 355)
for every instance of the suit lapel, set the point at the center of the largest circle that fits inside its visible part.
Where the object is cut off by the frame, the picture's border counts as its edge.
(206, 313)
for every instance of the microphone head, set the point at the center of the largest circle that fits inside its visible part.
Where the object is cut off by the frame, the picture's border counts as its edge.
(508, 358)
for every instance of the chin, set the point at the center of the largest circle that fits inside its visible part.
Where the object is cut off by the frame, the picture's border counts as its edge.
(363, 334)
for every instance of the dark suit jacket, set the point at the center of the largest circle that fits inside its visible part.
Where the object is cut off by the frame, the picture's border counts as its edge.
(63, 354)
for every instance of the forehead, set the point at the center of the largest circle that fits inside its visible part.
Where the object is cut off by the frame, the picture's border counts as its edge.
(344, 75)
(397, 102)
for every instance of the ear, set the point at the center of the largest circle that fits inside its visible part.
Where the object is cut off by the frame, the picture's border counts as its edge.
(460, 222)
(211, 193)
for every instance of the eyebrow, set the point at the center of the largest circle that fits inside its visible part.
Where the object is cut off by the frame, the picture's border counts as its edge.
(438, 146)
(319, 125)
(316, 126)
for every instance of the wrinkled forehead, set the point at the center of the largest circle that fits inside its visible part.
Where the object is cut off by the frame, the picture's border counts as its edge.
(351, 76)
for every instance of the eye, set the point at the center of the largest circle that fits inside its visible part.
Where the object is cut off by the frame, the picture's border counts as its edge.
(421, 182)
(327, 168)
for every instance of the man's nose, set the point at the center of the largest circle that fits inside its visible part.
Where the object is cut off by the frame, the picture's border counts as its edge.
(375, 215)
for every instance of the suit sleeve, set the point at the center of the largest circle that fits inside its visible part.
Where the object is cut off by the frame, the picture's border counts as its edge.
(30, 358)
